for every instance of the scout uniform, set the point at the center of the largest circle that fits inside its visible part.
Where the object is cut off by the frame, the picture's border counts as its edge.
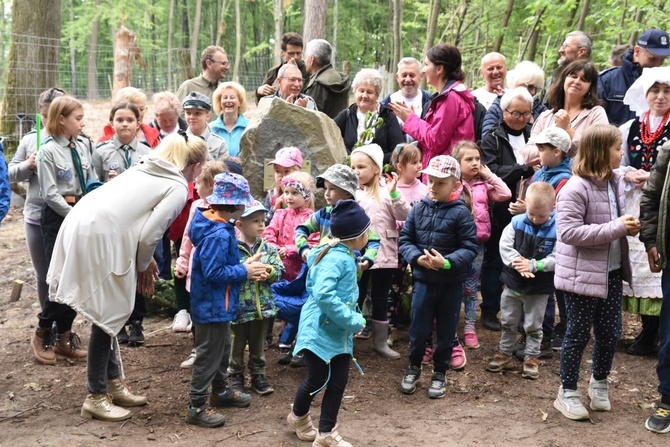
(113, 155)
(216, 145)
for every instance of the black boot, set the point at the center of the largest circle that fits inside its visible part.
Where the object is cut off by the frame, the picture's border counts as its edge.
(645, 343)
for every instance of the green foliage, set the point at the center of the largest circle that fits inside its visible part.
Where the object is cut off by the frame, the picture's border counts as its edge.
(372, 122)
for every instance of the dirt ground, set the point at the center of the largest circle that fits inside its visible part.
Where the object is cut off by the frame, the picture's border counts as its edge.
(39, 405)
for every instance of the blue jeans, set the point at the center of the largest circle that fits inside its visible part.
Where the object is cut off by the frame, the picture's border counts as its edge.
(470, 288)
(434, 302)
(288, 334)
(663, 367)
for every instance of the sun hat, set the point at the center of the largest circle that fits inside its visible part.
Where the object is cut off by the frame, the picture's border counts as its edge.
(341, 176)
(230, 189)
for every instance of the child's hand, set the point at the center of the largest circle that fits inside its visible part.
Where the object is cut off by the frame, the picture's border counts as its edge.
(521, 265)
(527, 275)
(279, 203)
(435, 258)
(255, 271)
(364, 265)
(518, 207)
(424, 262)
(392, 184)
(485, 172)
(304, 255)
(283, 252)
(179, 274)
(111, 175)
(637, 178)
(632, 224)
(653, 257)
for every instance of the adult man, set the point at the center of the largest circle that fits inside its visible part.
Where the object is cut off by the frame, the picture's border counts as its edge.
(291, 53)
(577, 45)
(493, 69)
(289, 87)
(652, 48)
(328, 87)
(214, 63)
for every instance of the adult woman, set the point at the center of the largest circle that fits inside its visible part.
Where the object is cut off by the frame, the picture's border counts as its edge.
(230, 102)
(352, 123)
(104, 252)
(146, 134)
(526, 74)
(501, 152)
(649, 98)
(449, 116)
(166, 111)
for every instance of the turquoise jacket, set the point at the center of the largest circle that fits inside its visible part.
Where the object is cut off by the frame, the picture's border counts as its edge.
(232, 138)
(329, 319)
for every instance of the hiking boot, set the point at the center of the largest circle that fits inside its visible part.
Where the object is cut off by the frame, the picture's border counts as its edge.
(237, 382)
(427, 356)
(408, 384)
(100, 406)
(121, 395)
(568, 403)
(303, 426)
(458, 359)
(438, 386)
(531, 369)
(136, 336)
(500, 362)
(204, 417)
(182, 322)
(188, 363)
(364, 333)
(69, 346)
(659, 421)
(260, 385)
(298, 360)
(122, 336)
(470, 339)
(598, 392)
(491, 322)
(230, 398)
(43, 346)
(332, 439)
(285, 355)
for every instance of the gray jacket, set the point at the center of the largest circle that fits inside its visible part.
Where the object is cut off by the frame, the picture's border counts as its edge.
(19, 171)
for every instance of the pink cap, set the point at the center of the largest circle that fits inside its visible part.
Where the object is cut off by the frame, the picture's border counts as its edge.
(288, 157)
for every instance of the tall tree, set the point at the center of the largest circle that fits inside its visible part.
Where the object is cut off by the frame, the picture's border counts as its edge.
(503, 24)
(583, 14)
(315, 20)
(92, 73)
(195, 33)
(279, 29)
(169, 46)
(238, 41)
(397, 33)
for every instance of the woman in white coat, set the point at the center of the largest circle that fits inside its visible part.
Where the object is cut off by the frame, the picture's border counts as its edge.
(103, 254)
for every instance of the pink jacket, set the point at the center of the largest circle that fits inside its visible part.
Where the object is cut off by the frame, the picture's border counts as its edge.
(447, 121)
(279, 233)
(383, 217)
(585, 230)
(483, 192)
(183, 263)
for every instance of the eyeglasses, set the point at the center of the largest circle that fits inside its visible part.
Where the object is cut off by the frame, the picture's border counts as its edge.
(517, 115)
(301, 80)
(223, 63)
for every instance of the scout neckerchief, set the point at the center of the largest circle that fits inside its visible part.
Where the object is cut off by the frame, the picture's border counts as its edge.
(77, 165)
(127, 160)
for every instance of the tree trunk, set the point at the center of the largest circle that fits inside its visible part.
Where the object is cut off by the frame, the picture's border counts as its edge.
(92, 72)
(533, 33)
(36, 34)
(397, 33)
(169, 47)
(196, 33)
(184, 56)
(315, 20)
(461, 18)
(279, 29)
(503, 25)
(634, 35)
(336, 9)
(221, 29)
(432, 29)
(73, 53)
(126, 52)
(238, 41)
(583, 14)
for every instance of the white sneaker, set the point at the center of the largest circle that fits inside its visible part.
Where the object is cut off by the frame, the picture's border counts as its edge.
(181, 322)
(568, 403)
(188, 363)
(598, 392)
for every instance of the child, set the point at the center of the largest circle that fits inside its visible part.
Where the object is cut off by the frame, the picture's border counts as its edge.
(145, 133)
(483, 188)
(591, 261)
(439, 241)
(527, 250)
(204, 186)
(287, 160)
(256, 304)
(197, 111)
(385, 205)
(327, 322)
(63, 167)
(217, 275)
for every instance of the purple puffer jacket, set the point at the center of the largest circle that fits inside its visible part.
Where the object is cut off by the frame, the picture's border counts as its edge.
(585, 230)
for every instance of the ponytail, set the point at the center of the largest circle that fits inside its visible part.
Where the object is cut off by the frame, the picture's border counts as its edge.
(182, 151)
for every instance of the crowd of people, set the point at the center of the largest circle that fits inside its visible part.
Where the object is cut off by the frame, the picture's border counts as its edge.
(543, 194)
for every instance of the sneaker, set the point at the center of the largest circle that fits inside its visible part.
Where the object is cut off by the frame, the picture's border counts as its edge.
(458, 359)
(408, 385)
(470, 339)
(204, 417)
(136, 336)
(237, 382)
(182, 322)
(230, 398)
(438, 386)
(659, 422)
(188, 363)
(427, 356)
(500, 362)
(364, 333)
(122, 336)
(491, 322)
(556, 342)
(298, 361)
(598, 392)
(531, 369)
(260, 385)
(285, 355)
(332, 439)
(303, 426)
(568, 403)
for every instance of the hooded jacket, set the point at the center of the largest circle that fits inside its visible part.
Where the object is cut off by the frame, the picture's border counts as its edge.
(613, 85)
(483, 194)
(655, 206)
(330, 89)
(557, 176)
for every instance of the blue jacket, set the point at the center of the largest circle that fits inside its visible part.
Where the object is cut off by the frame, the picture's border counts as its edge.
(449, 228)
(612, 86)
(329, 319)
(216, 271)
(5, 191)
(232, 138)
(553, 176)
(494, 114)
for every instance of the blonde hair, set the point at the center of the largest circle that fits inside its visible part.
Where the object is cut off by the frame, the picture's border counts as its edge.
(593, 156)
(130, 94)
(181, 153)
(241, 95)
(62, 106)
(372, 191)
(209, 170)
(308, 182)
(541, 194)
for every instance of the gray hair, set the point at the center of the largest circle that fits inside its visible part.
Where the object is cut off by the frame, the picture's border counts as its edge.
(584, 41)
(321, 50)
(409, 61)
(166, 102)
(286, 67)
(368, 76)
(526, 73)
(491, 56)
(516, 93)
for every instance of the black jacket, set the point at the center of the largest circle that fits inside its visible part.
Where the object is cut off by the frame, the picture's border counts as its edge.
(272, 74)
(612, 86)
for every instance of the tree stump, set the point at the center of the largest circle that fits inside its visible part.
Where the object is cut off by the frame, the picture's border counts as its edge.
(125, 52)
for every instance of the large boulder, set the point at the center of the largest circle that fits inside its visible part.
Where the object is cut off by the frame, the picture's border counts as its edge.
(278, 124)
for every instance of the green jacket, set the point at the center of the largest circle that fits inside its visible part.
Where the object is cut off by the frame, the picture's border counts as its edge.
(329, 89)
(654, 206)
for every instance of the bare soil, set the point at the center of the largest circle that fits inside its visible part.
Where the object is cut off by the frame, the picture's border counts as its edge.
(39, 405)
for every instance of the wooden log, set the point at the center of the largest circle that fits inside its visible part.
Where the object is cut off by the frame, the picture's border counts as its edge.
(16, 290)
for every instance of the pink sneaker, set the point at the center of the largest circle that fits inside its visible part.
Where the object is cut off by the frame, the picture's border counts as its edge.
(458, 359)
(470, 339)
(427, 356)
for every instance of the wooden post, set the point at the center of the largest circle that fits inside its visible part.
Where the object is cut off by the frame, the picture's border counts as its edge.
(16, 290)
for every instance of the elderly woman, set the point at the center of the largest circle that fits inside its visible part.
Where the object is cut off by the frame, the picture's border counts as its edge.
(166, 111)
(103, 255)
(145, 134)
(526, 74)
(230, 102)
(501, 152)
(649, 98)
(352, 120)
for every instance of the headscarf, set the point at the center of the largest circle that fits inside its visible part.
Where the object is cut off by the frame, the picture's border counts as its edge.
(636, 96)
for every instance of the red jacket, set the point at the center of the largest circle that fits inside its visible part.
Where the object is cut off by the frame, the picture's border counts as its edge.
(152, 135)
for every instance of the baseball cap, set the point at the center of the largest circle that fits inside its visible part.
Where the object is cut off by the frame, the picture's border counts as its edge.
(230, 189)
(443, 166)
(554, 136)
(341, 176)
(656, 41)
(288, 157)
(195, 100)
(251, 209)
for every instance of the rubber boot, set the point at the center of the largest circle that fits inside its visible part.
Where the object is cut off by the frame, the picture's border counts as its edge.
(645, 344)
(380, 333)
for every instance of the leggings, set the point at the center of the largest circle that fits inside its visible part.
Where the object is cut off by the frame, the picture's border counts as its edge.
(39, 259)
(381, 285)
